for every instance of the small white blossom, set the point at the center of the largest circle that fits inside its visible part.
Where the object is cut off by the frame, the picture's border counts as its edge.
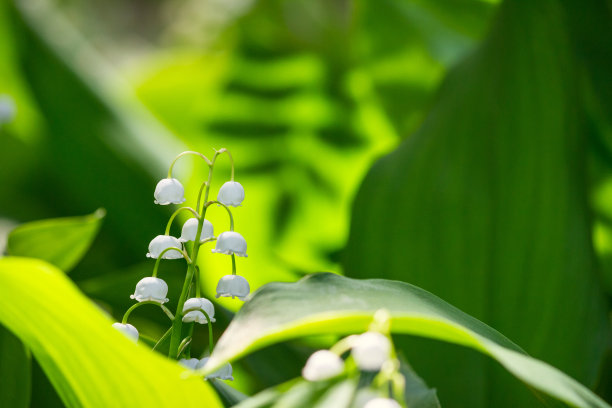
(382, 403)
(150, 288)
(223, 373)
(322, 365)
(128, 330)
(234, 286)
(192, 363)
(231, 194)
(231, 242)
(162, 242)
(197, 315)
(371, 350)
(7, 109)
(169, 191)
(190, 229)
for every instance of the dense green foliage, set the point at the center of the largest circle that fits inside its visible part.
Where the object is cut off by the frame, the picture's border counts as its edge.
(495, 198)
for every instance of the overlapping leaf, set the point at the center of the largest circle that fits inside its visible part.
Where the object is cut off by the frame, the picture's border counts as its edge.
(327, 303)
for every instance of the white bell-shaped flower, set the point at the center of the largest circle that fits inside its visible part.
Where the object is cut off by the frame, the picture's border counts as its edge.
(233, 286)
(192, 363)
(382, 403)
(231, 242)
(322, 365)
(371, 350)
(231, 194)
(223, 373)
(150, 288)
(197, 315)
(190, 229)
(7, 109)
(162, 242)
(169, 191)
(128, 330)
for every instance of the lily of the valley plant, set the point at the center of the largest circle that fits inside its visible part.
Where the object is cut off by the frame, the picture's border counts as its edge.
(197, 231)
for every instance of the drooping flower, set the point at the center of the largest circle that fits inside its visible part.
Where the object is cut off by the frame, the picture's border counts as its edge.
(150, 288)
(231, 242)
(382, 403)
(169, 191)
(162, 242)
(233, 286)
(231, 193)
(371, 350)
(223, 373)
(128, 330)
(190, 229)
(322, 365)
(7, 109)
(192, 363)
(197, 315)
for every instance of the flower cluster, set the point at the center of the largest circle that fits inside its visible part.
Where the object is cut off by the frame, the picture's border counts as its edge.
(196, 231)
(371, 351)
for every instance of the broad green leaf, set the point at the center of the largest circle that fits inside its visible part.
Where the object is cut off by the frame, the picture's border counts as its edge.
(15, 371)
(326, 303)
(59, 241)
(486, 206)
(89, 363)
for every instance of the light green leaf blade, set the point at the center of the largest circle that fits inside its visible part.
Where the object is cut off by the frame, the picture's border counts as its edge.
(15, 371)
(60, 241)
(327, 303)
(89, 363)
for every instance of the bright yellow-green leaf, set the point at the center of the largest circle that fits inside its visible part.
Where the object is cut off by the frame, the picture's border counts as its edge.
(89, 363)
(327, 303)
(60, 241)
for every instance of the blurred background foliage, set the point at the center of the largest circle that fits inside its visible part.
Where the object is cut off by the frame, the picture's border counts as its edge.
(494, 214)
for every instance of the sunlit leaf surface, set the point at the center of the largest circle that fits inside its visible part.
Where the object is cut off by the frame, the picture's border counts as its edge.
(65, 332)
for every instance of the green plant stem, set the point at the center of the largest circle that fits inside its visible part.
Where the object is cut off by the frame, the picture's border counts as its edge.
(127, 313)
(162, 338)
(233, 264)
(177, 323)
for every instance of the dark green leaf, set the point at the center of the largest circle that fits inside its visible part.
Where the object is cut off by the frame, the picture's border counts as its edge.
(486, 206)
(228, 395)
(15, 371)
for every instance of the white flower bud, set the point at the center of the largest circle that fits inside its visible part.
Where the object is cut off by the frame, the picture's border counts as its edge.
(190, 229)
(371, 350)
(231, 242)
(191, 364)
(231, 194)
(169, 191)
(7, 109)
(234, 286)
(197, 315)
(382, 403)
(224, 373)
(162, 242)
(128, 330)
(150, 288)
(322, 365)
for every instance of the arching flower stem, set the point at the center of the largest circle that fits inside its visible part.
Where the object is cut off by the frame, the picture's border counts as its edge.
(229, 212)
(148, 302)
(211, 343)
(233, 264)
(185, 154)
(160, 257)
(173, 216)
